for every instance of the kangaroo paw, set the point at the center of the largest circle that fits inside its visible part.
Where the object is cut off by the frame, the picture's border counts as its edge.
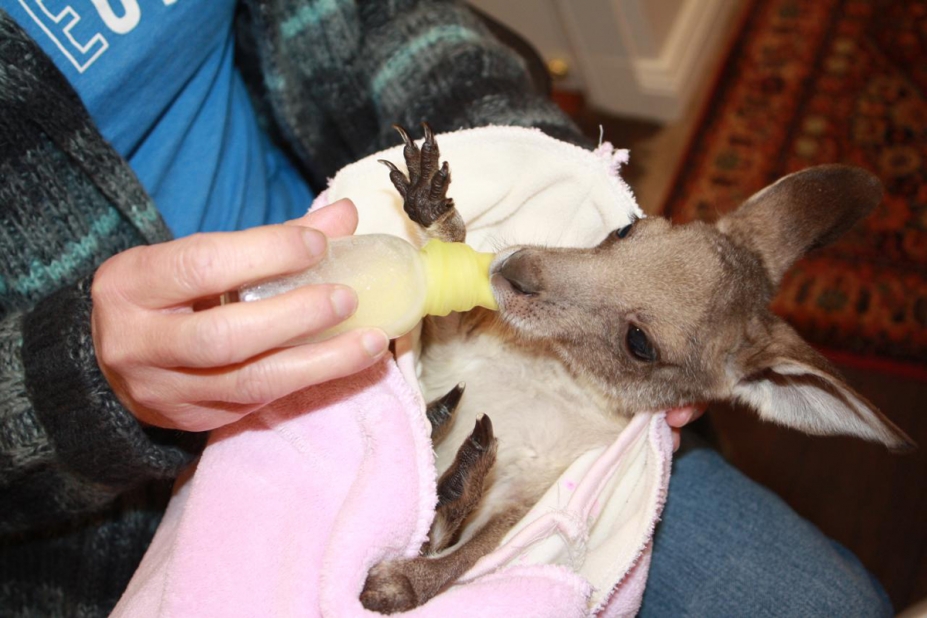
(388, 590)
(424, 191)
(441, 410)
(460, 488)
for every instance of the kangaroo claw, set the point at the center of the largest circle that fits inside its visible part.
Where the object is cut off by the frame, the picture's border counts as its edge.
(424, 191)
(441, 410)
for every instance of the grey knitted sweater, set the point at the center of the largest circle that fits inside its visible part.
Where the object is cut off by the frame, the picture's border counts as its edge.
(82, 484)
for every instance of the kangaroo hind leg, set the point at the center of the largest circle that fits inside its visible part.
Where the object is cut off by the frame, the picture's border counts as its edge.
(405, 584)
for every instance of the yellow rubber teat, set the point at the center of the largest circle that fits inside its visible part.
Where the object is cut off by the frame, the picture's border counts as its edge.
(457, 277)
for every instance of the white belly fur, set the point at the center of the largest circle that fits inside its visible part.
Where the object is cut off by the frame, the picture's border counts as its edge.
(543, 416)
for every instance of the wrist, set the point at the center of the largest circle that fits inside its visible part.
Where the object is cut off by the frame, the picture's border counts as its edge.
(93, 433)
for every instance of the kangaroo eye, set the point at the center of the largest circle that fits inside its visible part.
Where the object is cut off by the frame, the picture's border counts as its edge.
(639, 345)
(622, 232)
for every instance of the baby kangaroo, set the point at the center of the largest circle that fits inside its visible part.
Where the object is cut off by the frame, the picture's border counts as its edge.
(654, 316)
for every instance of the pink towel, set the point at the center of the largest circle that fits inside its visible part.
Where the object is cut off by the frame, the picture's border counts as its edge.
(288, 509)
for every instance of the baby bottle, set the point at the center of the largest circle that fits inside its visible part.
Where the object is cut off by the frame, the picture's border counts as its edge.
(396, 284)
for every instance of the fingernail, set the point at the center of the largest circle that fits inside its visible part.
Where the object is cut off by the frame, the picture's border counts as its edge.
(344, 301)
(342, 202)
(315, 241)
(375, 342)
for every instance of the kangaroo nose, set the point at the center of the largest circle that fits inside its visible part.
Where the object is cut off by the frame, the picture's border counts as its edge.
(521, 275)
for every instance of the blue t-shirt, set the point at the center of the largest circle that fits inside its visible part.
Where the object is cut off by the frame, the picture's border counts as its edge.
(158, 79)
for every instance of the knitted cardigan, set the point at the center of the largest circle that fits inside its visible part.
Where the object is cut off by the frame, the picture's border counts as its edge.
(82, 484)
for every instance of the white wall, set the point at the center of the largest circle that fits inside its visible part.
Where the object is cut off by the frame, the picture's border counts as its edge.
(639, 58)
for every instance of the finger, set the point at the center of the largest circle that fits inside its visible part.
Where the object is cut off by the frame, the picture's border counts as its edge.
(204, 415)
(235, 332)
(677, 417)
(195, 416)
(677, 438)
(337, 219)
(204, 265)
(285, 371)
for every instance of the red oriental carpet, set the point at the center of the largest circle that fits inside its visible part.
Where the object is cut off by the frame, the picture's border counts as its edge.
(824, 81)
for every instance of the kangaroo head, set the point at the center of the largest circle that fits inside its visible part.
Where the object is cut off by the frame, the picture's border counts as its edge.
(659, 315)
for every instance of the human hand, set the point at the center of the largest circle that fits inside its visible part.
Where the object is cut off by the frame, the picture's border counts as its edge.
(176, 367)
(677, 418)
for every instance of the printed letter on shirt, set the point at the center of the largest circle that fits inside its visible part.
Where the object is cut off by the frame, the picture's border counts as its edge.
(131, 13)
(59, 26)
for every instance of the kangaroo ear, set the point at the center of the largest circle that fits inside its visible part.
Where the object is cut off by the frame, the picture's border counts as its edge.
(802, 211)
(789, 383)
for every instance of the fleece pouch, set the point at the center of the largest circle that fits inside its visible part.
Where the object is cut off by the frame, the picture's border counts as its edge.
(288, 509)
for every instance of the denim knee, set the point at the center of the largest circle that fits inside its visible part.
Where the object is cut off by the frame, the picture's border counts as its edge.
(728, 547)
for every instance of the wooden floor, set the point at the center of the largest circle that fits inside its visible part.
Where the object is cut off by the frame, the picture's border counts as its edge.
(871, 501)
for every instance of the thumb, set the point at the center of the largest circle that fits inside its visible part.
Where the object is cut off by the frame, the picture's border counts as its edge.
(337, 219)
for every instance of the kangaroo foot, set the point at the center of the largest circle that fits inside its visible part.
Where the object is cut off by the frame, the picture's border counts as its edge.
(460, 488)
(405, 584)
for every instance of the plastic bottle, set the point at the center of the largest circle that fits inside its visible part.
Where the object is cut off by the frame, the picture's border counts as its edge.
(396, 284)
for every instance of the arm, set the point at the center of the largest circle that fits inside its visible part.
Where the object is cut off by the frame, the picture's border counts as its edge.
(338, 77)
(67, 446)
(67, 202)
(99, 329)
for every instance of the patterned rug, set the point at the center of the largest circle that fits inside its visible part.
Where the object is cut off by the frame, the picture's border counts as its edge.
(824, 81)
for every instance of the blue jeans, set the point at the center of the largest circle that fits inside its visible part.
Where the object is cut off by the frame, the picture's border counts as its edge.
(729, 547)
